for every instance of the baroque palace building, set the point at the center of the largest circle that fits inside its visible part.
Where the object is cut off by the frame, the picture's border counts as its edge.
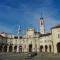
(32, 41)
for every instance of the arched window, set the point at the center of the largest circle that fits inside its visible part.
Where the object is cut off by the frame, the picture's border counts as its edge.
(41, 22)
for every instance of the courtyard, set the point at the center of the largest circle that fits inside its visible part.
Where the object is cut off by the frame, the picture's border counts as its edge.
(25, 56)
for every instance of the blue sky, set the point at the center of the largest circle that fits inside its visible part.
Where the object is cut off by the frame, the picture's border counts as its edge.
(26, 13)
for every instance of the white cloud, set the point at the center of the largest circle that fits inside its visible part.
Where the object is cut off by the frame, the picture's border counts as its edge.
(25, 10)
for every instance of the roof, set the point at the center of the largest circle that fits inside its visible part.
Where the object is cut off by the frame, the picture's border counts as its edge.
(58, 26)
(30, 29)
(41, 17)
(1, 36)
(47, 34)
(37, 32)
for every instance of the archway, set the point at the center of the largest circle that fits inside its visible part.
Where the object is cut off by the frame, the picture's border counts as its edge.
(30, 47)
(50, 48)
(46, 48)
(58, 47)
(20, 48)
(41, 47)
(5, 48)
(1, 48)
(10, 48)
(15, 49)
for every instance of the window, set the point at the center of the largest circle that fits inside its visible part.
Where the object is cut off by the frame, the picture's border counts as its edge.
(58, 35)
(41, 22)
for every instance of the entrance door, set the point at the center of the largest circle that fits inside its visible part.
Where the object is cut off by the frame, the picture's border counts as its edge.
(5, 48)
(30, 47)
(46, 48)
(1, 48)
(50, 48)
(15, 49)
(20, 48)
(10, 48)
(58, 47)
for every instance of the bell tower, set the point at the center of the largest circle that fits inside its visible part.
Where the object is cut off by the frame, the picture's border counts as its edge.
(42, 29)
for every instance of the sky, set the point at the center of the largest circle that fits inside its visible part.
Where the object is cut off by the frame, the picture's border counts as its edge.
(27, 13)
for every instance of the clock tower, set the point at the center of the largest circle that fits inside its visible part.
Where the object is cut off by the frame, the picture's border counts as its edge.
(42, 29)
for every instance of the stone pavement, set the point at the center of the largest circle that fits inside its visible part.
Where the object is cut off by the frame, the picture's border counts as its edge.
(24, 56)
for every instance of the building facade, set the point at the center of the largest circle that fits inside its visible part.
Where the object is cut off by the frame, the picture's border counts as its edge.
(32, 41)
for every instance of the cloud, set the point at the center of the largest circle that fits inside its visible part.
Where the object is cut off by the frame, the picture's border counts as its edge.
(25, 13)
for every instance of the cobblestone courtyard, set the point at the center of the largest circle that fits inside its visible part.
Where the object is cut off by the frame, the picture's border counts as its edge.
(24, 56)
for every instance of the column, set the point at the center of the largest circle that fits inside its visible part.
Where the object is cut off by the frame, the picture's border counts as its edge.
(7, 48)
(33, 48)
(17, 48)
(48, 49)
(27, 48)
(55, 49)
(13, 48)
(22, 49)
(43, 50)
(38, 47)
(51, 48)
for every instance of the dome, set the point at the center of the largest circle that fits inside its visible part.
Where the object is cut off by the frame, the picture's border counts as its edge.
(41, 17)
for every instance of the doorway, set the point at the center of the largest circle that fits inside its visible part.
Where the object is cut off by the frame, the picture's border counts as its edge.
(41, 47)
(30, 47)
(58, 47)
